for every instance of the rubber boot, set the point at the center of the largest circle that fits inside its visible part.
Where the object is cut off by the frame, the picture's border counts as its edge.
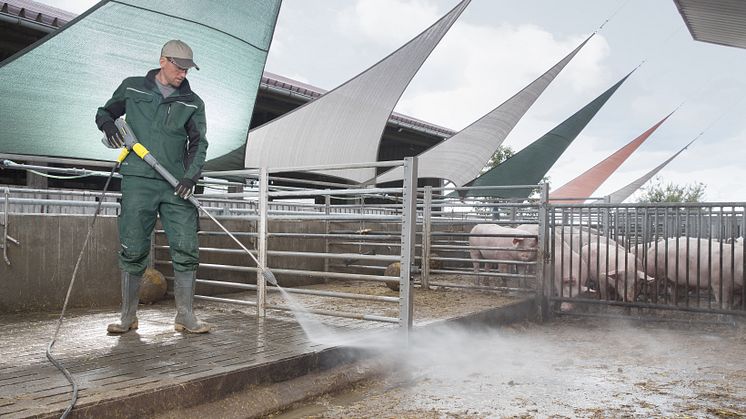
(186, 321)
(128, 319)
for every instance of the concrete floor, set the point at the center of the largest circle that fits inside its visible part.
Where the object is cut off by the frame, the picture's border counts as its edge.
(156, 369)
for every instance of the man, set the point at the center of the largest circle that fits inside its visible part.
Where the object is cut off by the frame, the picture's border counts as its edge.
(169, 120)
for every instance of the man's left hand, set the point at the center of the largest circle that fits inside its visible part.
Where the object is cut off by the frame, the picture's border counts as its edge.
(185, 188)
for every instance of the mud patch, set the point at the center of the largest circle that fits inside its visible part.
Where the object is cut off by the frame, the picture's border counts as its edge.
(567, 368)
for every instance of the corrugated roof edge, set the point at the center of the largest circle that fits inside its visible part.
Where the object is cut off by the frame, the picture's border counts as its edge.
(310, 92)
(36, 12)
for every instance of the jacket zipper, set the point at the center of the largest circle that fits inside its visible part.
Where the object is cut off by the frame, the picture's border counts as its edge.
(168, 113)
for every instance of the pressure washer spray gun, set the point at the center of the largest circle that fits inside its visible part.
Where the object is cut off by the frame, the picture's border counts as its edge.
(131, 143)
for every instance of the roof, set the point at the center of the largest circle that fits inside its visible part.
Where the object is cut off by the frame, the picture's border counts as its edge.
(721, 22)
(31, 11)
(308, 92)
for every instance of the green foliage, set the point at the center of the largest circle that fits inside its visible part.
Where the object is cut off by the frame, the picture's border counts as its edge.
(659, 191)
(503, 153)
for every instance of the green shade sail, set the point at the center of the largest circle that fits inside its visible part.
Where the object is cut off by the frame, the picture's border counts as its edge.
(530, 165)
(49, 93)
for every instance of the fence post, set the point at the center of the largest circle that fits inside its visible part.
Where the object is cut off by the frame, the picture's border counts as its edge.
(5, 225)
(261, 290)
(426, 239)
(327, 211)
(408, 231)
(543, 256)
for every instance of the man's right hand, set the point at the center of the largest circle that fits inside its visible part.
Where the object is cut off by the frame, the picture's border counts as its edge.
(113, 136)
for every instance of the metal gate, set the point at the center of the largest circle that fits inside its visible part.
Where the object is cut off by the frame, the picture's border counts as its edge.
(684, 257)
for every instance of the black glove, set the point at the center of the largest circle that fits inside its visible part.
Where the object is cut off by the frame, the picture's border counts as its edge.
(185, 188)
(113, 136)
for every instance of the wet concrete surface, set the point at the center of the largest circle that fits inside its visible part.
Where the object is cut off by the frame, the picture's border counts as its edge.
(570, 367)
(156, 370)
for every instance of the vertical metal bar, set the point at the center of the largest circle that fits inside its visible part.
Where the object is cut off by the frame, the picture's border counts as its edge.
(5, 225)
(699, 256)
(709, 260)
(688, 253)
(327, 211)
(408, 234)
(426, 238)
(261, 290)
(543, 255)
(743, 263)
(732, 248)
(720, 230)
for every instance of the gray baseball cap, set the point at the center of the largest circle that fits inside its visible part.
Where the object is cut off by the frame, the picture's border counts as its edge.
(180, 52)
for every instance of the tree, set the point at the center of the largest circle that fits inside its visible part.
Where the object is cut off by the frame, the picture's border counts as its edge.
(659, 191)
(503, 153)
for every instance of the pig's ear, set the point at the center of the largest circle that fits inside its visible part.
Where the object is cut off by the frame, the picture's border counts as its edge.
(517, 240)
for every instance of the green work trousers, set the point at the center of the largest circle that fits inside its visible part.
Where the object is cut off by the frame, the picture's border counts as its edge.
(143, 199)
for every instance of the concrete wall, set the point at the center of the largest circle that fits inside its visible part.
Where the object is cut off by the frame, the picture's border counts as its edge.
(41, 267)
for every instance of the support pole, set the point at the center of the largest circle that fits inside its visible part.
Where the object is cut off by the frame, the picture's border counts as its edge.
(408, 234)
(327, 211)
(261, 291)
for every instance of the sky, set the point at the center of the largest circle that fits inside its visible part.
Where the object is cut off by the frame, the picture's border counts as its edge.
(499, 46)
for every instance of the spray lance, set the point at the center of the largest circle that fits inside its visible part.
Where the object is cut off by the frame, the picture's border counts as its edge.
(131, 143)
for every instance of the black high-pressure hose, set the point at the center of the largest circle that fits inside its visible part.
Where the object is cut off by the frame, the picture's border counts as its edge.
(51, 358)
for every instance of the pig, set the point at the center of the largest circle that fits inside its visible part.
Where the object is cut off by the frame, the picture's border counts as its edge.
(611, 267)
(570, 271)
(577, 237)
(529, 228)
(525, 246)
(673, 250)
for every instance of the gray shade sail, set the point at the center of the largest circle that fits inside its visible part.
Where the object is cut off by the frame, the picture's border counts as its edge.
(625, 192)
(49, 92)
(345, 125)
(462, 157)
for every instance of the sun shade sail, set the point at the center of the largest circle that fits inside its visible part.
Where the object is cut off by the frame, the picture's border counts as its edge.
(622, 194)
(530, 165)
(345, 125)
(584, 185)
(49, 93)
(461, 157)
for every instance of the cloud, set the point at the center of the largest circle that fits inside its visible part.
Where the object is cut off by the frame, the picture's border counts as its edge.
(475, 67)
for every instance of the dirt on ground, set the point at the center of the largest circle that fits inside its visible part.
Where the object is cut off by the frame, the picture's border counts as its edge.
(570, 367)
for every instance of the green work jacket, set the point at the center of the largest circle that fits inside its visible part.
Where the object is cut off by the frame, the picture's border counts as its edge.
(173, 129)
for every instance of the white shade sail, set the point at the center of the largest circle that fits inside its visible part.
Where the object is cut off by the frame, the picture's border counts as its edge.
(345, 125)
(462, 157)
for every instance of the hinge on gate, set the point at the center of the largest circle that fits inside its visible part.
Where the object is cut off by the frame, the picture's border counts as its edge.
(4, 245)
(4, 224)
